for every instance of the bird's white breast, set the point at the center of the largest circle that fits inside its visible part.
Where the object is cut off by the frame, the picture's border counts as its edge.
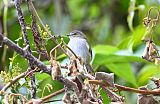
(81, 48)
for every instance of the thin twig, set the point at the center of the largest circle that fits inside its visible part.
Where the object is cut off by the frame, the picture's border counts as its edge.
(129, 89)
(54, 49)
(71, 51)
(149, 13)
(53, 101)
(5, 12)
(53, 94)
(64, 67)
(23, 97)
(41, 100)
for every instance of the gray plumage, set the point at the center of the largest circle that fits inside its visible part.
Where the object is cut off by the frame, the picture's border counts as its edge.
(79, 45)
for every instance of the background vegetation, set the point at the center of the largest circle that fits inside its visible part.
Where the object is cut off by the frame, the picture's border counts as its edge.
(114, 29)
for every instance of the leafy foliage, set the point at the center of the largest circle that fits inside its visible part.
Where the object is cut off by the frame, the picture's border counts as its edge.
(117, 47)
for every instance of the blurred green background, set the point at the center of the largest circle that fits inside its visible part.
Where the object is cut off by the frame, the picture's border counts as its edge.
(114, 29)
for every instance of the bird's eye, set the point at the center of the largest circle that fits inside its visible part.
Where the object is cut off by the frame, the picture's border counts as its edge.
(73, 34)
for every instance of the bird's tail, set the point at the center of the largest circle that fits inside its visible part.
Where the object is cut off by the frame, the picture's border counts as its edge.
(89, 68)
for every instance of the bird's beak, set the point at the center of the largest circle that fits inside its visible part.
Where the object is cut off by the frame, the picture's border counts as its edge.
(68, 35)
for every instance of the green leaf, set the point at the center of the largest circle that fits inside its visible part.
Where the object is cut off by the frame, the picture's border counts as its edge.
(125, 43)
(105, 98)
(137, 35)
(133, 40)
(146, 72)
(104, 54)
(124, 71)
(131, 14)
(41, 76)
(102, 59)
(61, 57)
(94, 11)
(43, 79)
(107, 49)
(107, 54)
(22, 62)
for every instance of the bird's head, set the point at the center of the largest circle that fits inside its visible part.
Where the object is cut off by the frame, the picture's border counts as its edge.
(76, 33)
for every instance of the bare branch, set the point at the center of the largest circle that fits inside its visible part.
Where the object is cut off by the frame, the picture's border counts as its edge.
(25, 54)
(24, 32)
(22, 22)
(124, 88)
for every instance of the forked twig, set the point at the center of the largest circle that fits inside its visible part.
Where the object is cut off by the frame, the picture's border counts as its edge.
(54, 49)
(148, 21)
(52, 36)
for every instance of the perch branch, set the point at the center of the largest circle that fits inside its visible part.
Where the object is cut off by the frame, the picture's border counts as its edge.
(24, 54)
(129, 89)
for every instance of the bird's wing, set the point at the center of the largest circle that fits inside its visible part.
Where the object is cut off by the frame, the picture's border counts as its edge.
(90, 51)
(89, 48)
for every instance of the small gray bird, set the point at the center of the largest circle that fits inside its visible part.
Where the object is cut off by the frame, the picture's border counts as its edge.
(79, 45)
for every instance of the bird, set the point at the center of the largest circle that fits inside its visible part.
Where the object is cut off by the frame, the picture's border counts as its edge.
(78, 43)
